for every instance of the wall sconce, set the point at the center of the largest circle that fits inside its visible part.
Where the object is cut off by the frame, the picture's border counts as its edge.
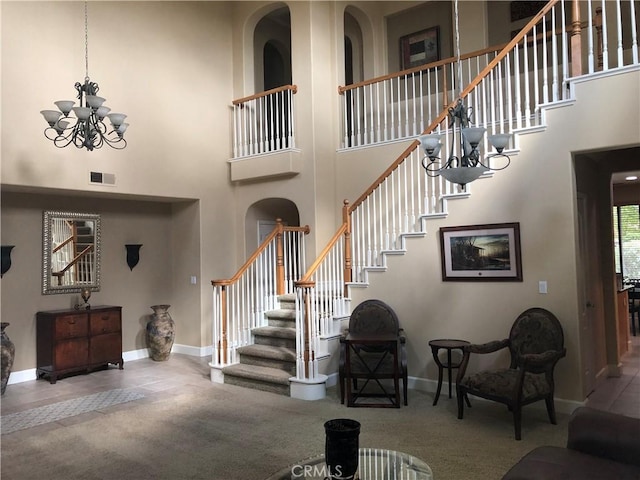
(6, 259)
(133, 254)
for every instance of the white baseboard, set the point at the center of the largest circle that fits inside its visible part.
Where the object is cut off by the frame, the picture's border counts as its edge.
(30, 374)
(562, 405)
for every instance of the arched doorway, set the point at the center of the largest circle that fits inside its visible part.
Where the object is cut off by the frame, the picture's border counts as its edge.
(261, 216)
(272, 47)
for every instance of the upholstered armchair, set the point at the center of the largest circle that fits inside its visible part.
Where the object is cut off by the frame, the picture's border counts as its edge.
(373, 317)
(536, 343)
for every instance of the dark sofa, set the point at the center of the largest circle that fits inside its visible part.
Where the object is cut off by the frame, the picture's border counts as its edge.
(600, 446)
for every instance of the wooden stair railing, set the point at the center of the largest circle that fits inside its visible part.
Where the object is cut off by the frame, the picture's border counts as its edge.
(75, 261)
(239, 302)
(401, 105)
(313, 311)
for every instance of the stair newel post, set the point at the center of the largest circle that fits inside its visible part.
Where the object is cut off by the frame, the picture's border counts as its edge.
(346, 219)
(279, 257)
(304, 329)
(222, 342)
(576, 43)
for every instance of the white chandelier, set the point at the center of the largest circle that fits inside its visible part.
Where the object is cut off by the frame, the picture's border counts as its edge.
(468, 165)
(87, 129)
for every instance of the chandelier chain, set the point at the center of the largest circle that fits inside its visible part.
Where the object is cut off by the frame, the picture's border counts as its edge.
(86, 40)
(458, 49)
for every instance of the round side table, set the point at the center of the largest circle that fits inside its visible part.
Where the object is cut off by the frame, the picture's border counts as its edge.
(448, 345)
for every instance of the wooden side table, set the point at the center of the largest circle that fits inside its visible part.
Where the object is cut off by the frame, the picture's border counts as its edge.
(448, 345)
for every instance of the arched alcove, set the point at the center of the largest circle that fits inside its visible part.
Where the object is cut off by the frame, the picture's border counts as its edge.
(261, 216)
(272, 50)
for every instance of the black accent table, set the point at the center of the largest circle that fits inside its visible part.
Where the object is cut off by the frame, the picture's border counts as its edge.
(448, 345)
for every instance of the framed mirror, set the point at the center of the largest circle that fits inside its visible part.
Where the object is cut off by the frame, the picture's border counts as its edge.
(70, 252)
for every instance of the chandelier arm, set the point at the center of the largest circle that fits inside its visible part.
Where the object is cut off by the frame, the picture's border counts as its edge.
(431, 167)
(495, 155)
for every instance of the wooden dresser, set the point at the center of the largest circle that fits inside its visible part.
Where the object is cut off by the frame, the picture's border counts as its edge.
(78, 340)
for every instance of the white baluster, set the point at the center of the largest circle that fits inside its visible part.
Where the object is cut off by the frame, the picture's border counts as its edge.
(605, 39)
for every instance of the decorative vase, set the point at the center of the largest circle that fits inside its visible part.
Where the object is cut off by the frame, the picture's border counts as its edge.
(7, 352)
(341, 448)
(161, 332)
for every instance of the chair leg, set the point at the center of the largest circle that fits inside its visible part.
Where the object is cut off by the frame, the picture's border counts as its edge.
(341, 381)
(517, 421)
(551, 409)
(459, 395)
(404, 389)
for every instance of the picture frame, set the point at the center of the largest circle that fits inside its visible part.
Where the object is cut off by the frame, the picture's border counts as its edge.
(476, 253)
(420, 48)
(519, 9)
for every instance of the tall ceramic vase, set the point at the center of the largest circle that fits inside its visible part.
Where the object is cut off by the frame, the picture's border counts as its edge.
(341, 448)
(161, 332)
(7, 352)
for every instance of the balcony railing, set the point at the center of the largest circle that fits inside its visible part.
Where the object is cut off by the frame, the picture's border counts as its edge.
(263, 123)
(535, 71)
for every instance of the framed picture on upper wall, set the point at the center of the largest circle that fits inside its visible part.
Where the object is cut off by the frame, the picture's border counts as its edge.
(481, 253)
(420, 48)
(520, 9)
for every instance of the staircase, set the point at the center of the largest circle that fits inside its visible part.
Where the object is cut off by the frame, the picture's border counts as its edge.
(270, 362)
(510, 92)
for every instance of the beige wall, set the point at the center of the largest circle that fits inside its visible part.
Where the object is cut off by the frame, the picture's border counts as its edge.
(174, 67)
(149, 283)
(166, 65)
(537, 190)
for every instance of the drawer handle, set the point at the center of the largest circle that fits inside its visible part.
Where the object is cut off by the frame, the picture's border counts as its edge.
(71, 322)
(105, 317)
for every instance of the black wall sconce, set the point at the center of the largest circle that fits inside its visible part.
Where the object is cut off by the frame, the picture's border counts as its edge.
(6, 259)
(133, 254)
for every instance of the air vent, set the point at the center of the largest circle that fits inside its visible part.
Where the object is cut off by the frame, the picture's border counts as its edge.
(102, 178)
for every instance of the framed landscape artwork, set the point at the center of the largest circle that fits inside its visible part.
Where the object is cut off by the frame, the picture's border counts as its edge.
(481, 253)
(420, 48)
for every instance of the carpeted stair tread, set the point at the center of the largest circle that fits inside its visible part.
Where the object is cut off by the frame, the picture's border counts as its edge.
(269, 351)
(282, 313)
(281, 332)
(287, 301)
(262, 374)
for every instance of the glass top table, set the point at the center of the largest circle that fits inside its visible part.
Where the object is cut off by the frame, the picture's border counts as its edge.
(374, 464)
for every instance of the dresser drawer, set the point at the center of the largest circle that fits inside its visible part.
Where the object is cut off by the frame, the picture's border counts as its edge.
(104, 322)
(71, 353)
(71, 326)
(105, 348)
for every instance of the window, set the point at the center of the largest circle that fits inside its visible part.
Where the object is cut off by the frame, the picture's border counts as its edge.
(626, 225)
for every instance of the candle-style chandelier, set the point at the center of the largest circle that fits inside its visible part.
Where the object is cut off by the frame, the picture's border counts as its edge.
(87, 129)
(468, 165)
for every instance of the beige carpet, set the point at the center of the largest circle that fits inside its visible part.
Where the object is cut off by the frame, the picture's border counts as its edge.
(224, 432)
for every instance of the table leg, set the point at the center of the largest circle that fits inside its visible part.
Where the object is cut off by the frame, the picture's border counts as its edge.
(440, 372)
(449, 368)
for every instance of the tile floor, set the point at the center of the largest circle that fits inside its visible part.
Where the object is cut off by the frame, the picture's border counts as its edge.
(621, 394)
(150, 381)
